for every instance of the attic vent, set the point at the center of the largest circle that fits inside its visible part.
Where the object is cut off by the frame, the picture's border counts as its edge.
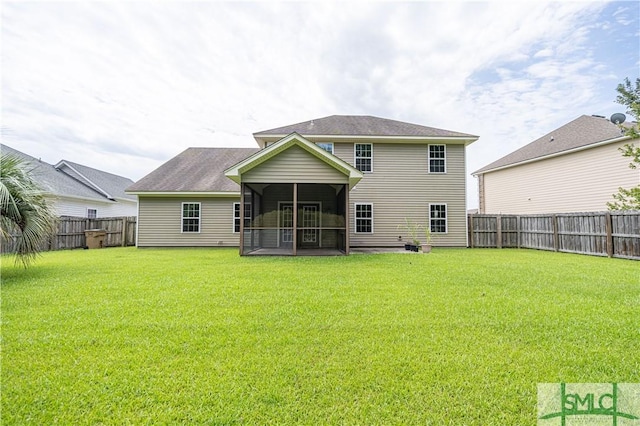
(598, 116)
(551, 139)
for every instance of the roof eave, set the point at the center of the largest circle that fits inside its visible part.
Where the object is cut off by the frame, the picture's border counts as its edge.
(555, 154)
(262, 139)
(185, 193)
(235, 172)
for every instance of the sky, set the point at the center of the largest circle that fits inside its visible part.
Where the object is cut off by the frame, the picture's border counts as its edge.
(126, 86)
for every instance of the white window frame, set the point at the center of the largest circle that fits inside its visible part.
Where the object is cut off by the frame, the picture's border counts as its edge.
(326, 144)
(355, 158)
(429, 158)
(237, 218)
(95, 213)
(355, 218)
(182, 218)
(446, 218)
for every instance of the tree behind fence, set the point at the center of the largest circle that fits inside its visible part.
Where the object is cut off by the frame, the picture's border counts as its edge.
(610, 233)
(120, 232)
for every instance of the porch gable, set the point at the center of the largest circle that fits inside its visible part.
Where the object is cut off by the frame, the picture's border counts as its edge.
(294, 159)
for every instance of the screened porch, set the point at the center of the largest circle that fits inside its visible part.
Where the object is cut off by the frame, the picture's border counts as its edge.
(294, 219)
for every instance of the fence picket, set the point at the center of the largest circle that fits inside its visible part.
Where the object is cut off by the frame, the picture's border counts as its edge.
(613, 234)
(120, 231)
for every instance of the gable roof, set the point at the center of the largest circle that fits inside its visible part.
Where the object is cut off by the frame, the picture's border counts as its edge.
(580, 133)
(61, 181)
(360, 125)
(195, 170)
(110, 185)
(235, 172)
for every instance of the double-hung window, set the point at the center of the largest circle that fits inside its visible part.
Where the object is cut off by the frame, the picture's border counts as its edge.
(236, 216)
(437, 159)
(327, 146)
(438, 218)
(190, 217)
(92, 213)
(363, 154)
(364, 218)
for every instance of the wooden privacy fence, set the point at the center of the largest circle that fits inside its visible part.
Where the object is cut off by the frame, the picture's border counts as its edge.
(610, 233)
(70, 234)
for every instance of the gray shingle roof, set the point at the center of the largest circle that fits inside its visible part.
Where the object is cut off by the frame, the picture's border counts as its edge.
(56, 182)
(584, 130)
(113, 185)
(359, 125)
(195, 170)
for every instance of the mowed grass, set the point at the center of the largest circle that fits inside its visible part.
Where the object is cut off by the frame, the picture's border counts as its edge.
(203, 336)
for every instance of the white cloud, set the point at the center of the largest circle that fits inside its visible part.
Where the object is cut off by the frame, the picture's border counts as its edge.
(126, 86)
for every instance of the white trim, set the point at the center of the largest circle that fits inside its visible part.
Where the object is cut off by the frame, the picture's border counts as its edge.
(233, 216)
(446, 217)
(355, 218)
(555, 154)
(184, 194)
(182, 218)
(363, 158)
(466, 140)
(138, 224)
(106, 194)
(75, 197)
(429, 159)
(294, 139)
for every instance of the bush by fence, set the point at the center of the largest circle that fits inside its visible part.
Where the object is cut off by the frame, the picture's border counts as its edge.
(120, 232)
(610, 233)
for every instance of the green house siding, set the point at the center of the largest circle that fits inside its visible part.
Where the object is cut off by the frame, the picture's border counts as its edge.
(400, 186)
(294, 165)
(159, 222)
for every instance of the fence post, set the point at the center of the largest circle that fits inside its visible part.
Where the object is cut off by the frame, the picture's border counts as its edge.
(124, 231)
(499, 231)
(608, 223)
(471, 229)
(554, 219)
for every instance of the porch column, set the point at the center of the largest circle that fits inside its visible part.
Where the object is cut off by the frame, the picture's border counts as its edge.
(346, 219)
(241, 218)
(295, 219)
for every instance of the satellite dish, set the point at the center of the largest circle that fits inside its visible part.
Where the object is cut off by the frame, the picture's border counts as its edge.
(618, 118)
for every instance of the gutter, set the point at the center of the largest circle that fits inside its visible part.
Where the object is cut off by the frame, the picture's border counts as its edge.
(556, 154)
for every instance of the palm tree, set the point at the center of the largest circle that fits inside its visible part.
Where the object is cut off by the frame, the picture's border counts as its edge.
(23, 208)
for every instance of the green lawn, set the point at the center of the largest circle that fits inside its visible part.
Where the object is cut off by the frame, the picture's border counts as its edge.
(203, 336)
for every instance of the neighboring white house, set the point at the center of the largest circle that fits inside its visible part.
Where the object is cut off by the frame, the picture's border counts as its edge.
(81, 191)
(575, 168)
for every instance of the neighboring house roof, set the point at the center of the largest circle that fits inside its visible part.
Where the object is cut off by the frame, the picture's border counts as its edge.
(234, 172)
(195, 170)
(60, 181)
(110, 185)
(360, 125)
(583, 131)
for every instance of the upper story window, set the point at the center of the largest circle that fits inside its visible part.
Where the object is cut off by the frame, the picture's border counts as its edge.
(438, 218)
(363, 154)
(190, 217)
(364, 218)
(92, 213)
(327, 146)
(437, 159)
